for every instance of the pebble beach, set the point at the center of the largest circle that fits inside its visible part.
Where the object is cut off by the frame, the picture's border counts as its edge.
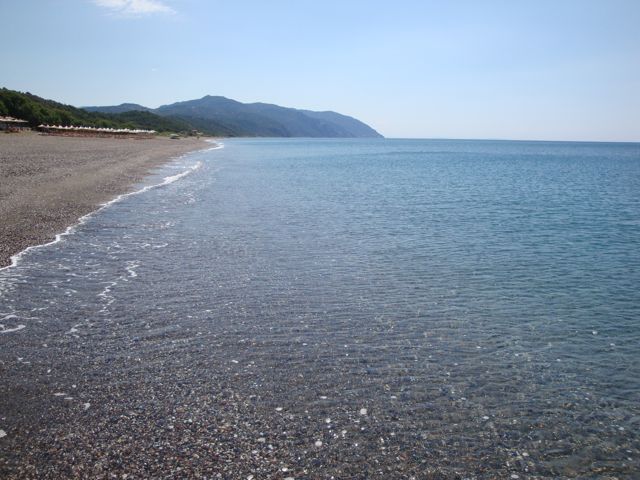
(48, 182)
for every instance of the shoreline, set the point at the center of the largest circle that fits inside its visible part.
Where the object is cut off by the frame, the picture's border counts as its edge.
(50, 183)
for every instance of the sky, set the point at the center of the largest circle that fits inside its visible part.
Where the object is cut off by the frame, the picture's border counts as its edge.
(508, 69)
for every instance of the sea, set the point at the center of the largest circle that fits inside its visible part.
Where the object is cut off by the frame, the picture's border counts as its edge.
(348, 308)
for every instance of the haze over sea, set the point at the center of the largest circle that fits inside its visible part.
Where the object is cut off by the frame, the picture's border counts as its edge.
(357, 308)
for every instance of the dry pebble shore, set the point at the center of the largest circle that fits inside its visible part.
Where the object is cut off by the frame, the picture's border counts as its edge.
(48, 182)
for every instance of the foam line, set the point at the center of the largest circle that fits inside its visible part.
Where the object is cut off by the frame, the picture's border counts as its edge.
(4, 329)
(15, 259)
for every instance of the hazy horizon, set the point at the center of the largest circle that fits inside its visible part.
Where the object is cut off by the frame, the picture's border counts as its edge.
(565, 71)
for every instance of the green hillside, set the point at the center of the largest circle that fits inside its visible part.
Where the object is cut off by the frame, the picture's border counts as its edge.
(37, 110)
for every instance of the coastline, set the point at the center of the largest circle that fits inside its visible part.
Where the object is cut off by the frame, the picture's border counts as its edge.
(49, 183)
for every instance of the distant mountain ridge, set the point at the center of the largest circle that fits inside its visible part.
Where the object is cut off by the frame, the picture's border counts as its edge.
(223, 116)
(123, 107)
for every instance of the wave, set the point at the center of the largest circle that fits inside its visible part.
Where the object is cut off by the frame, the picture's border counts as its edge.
(216, 145)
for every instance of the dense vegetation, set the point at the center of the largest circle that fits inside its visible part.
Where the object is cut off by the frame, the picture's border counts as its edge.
(36, 111)
(151, 121)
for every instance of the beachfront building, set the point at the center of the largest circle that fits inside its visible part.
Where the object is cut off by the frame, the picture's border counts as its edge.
(80, 131)
(10, 124)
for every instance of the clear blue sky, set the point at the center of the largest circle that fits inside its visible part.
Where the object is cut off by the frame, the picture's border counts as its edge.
(538, 69)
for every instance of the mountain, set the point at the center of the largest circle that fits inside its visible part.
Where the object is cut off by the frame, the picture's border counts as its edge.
(37, 110)
(123, 107)
(211, 115)
(354, 126)
(225, 112)
(223, 116)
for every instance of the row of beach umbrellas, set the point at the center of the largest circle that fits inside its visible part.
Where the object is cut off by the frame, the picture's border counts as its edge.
(94, 129)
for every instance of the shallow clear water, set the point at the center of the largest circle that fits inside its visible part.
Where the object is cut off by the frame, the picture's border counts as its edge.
(479, 299)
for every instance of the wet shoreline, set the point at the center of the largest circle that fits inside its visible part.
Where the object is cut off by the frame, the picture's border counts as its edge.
(49, 182)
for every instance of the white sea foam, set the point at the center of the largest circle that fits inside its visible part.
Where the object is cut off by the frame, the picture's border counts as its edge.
(216, 145)
(15, 259)
(107, 297)
(131, 268)
(4, 329)
(15, 328)
(105, 292)
(74, 329)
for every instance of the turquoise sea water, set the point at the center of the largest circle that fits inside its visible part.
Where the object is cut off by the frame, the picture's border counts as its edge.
(478, 300)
